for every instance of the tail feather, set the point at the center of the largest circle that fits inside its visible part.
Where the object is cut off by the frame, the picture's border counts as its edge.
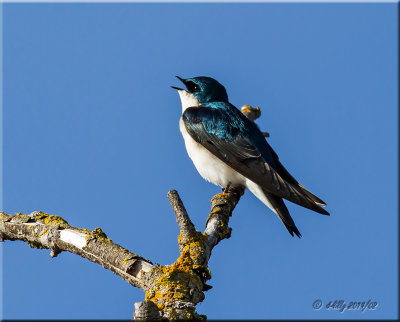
(281, 210)
(313, 197)
(314, 206)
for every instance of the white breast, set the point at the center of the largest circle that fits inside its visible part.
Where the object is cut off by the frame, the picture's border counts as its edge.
(209, 166)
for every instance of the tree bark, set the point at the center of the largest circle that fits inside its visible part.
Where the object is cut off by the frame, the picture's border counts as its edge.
(52, 232)
(172, 291)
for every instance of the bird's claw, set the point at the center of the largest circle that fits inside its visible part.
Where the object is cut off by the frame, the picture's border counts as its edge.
(226, 189)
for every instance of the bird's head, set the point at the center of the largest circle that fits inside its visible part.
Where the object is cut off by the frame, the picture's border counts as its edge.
(201, 89)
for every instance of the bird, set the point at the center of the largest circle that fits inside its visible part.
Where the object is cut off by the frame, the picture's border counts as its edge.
(230, 151)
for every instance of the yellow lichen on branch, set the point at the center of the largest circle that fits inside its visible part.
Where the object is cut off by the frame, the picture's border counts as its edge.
(178, 288)
(180, 284)
(41, 230)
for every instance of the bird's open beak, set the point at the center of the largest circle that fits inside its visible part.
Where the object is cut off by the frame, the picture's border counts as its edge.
(178, 88)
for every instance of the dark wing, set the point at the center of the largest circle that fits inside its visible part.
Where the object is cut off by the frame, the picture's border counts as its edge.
(289, 178)
(223, 135)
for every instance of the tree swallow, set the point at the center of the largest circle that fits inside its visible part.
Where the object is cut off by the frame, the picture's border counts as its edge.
(229, 150)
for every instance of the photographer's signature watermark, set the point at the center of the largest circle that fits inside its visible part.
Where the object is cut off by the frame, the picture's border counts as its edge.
(342, 305)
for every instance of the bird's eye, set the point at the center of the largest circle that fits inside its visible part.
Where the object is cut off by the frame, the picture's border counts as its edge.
(192, 87)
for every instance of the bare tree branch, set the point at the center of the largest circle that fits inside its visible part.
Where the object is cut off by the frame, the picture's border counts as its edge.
(172, 291)
(41, 230)
(252, 113)
(185, 224)
(177, 288)
(218, 219)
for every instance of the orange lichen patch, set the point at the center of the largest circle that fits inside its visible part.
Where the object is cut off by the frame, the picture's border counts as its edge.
(5, 217)
(53, 221)
(99, 233)
(178, 281)
(133, 258)
(39, 215)
(216, 209)
(219, 196)
(180, 238)
(43, 232)
(174, 284)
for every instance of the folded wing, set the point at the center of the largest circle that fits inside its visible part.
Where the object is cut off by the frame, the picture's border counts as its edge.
(225, 134)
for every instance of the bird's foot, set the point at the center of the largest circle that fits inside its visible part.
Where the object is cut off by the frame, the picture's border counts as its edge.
(224, 193)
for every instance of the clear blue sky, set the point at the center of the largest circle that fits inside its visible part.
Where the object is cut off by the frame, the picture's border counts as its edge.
(91, 134)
